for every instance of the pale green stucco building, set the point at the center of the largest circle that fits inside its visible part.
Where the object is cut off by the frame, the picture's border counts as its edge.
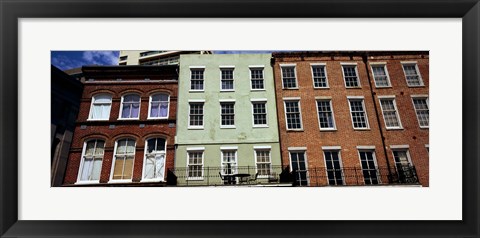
(227, 121)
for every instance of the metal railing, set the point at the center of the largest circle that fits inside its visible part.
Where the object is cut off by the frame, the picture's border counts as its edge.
(283, 176)
(320, 176)
(225, 176)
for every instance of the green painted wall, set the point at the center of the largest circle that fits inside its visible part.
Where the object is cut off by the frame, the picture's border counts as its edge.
(212, 137)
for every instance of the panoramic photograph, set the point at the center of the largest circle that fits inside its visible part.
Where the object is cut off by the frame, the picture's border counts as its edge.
(174, 118)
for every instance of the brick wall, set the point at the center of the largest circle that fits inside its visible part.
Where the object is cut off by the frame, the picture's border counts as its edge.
(345, 136)
(115, 129)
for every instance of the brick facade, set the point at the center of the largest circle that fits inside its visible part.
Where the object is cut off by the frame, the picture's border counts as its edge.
(117, 81)
(344, 138)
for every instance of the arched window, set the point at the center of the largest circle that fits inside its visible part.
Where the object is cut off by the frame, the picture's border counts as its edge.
(159, 104)
(122, 168)
(100, 108)
(91, 163)
(154, 161)
(130, 106)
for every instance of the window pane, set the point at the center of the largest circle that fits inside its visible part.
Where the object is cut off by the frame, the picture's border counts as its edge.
(380, 76)
(288, 76)
(358, 114)
(228, 113)
(292, 111)
(259, 113)
(390, 113)
(325, 114)
(90, 148)
(196, 114)
(256, 75)
(422, 111)
(319, 77)
(411, 75)
(103, 98)
(196, 81)
(350, 75)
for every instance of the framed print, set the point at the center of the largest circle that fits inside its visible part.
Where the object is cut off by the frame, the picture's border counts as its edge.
(446, 35)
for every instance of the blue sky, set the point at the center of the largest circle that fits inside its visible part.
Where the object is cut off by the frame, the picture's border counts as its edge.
(73, 59)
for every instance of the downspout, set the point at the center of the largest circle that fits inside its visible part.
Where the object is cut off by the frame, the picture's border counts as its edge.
(282, 166)
(365, 61)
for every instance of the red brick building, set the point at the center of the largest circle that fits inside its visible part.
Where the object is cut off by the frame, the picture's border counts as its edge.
(353, 118)
(125, 129)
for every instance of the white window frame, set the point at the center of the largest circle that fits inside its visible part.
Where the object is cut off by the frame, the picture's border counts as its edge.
(356, 72)
(91, 108)
(254, 67)
(203, 121)
(263, 148)
(415, 109)
(364, 108)
(329, 99)
(392, 97)
(82, 162)
(227, 67)
(324, 65)
(338, 150)
(145, 161)
(229, 149)
(401, 148)
(294, 71)
(285, 113)
(259, 101)
(420, 79)
(299, 150)
(190, 79)
(150, 106)
(374, 155)
(231, 101)
(384, 65)
(111, 180)
(195, 150)
(121, 107)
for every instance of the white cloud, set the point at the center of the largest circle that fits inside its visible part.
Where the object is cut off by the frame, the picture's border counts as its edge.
(100, 57)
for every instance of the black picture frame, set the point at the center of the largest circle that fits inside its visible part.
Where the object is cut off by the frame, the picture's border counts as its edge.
(11, 11)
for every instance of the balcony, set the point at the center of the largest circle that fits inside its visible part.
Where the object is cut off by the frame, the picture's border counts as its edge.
(148, 53)
(283, 176)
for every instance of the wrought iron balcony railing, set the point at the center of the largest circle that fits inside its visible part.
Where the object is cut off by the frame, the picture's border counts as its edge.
(268, 175)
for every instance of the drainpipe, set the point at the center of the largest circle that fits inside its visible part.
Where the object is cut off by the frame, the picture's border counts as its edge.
(365, 61)
(282, 166)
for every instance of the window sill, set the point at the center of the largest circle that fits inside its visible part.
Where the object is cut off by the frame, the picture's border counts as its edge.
(228, 127)
(195, 128)
(260, 126)
(194, 179)
(128, 119)
(358, 87)
(361, 129)
(295, 130)
(87, 182)
(196, 91)
(157, 118)
(321, 87)
(151, 180)
(227, 91)
(98, 119)
(328, 129)
(383, 86)
(394, 128)
(258, 89)
(416, 86)
(424, 127)
(290, 88)
(120, 181)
